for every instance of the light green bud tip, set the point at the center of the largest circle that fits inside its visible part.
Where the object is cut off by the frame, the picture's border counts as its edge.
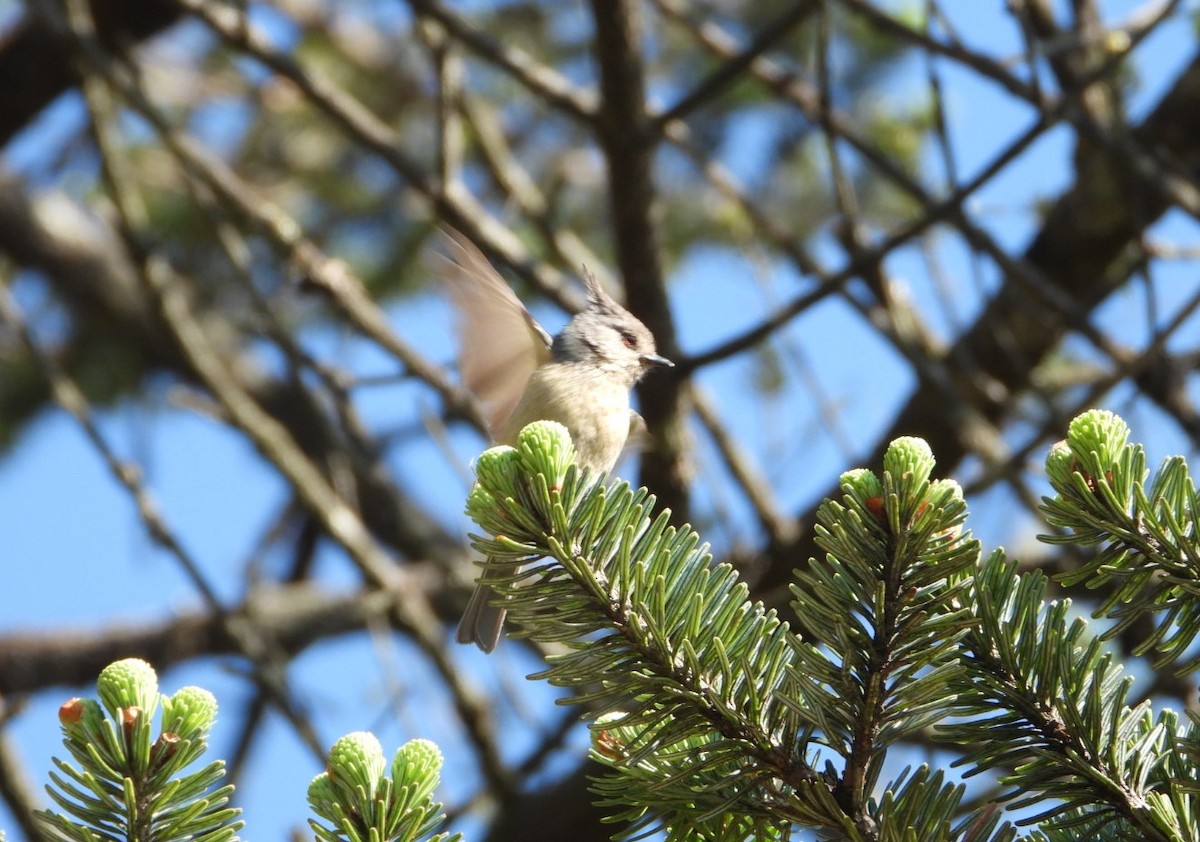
(862, 482)
(357, 760)
(946, 491)
(417, 765)
(128, 683)
(496, 471)
(1060, 464)
(479, 502)
(1101, 432)
(546, 449)
(909, 455)
(190, 712)
(322, 796)
(416, 758)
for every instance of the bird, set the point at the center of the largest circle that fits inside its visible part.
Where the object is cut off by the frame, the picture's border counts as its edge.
(580, 378)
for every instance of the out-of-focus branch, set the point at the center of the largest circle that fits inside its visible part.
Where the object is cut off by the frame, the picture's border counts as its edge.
(623, 127)
(457, 208)
(1082, 250)
(15, 789)
(927, 362)
(794, 89)
(1093, 121)
(941, 211)
(77, 254)
(34, 69)
(520, 189)
(735, 66)
(293, 616)
(411, 611)
(544, 82)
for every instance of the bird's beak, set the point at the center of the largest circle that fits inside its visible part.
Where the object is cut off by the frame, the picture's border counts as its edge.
(656, 360)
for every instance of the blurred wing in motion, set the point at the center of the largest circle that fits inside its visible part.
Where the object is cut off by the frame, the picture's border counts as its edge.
(500, 342)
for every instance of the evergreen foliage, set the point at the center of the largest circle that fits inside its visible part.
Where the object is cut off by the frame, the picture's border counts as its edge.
(1146, 535)
(362, 803)
(716, 721)
(128, 785)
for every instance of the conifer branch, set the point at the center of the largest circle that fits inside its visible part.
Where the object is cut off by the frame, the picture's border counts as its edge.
(709, 710)
(125, 784)
(1149, 555)
(712, 716)
(1041, 697)
(360, 801)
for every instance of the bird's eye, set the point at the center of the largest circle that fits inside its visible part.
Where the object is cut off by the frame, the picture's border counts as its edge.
(629, 339)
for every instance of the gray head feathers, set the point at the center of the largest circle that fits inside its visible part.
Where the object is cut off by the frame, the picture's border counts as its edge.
(606, 335)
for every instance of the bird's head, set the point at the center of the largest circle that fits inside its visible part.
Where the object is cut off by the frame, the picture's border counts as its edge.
(606, 334)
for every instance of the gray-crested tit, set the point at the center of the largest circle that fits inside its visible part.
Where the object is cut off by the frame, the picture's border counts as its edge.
(580, 378)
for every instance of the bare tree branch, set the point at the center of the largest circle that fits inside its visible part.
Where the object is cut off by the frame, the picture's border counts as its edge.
(1083, 250)
(34, 69)
(623, 128)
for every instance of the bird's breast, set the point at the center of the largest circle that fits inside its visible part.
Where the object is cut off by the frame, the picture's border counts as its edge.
(593, 406)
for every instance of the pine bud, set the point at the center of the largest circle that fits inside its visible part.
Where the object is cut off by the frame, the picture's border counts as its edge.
(80, 717)
(608, 745)
(1061, 465)
(947, 492)
(546, 449)
(861, 482)
(418, 762)
(497, 469)
(1101, 432)
(322, 796)
(357, 761)
(480, 502)
(126, 684)
(909, 455)
(607, 742)
(164, 748)
(947, 496)
(129, 721)
(189, 712)
(420, 755)
(862, 485)
(70, 712)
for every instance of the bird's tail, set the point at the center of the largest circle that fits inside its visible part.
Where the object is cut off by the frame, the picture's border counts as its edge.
(483, 620)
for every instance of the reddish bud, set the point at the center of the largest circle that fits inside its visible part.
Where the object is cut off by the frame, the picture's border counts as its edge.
(609, 746)
(165, 747)
(71, 712)
(129, 718)
(875, 505)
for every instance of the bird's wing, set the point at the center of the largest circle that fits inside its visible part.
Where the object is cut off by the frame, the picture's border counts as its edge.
(500, 342)
(638, 440)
